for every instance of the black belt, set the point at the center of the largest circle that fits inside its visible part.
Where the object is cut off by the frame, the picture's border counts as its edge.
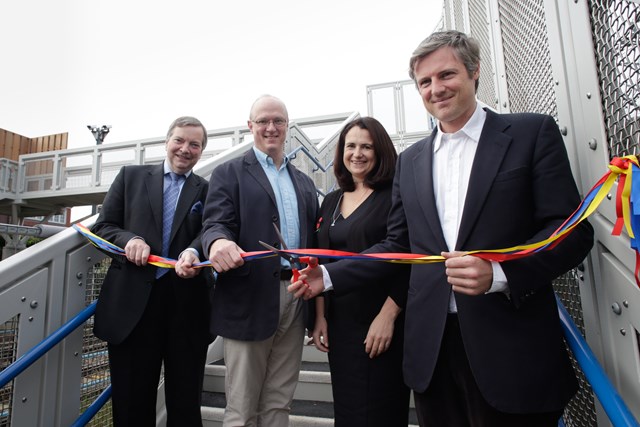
(285, 274)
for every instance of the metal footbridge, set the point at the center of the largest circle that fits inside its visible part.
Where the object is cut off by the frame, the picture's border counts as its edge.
(576, 60)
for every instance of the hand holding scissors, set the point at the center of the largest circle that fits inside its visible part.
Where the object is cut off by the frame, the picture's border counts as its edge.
(295, 261)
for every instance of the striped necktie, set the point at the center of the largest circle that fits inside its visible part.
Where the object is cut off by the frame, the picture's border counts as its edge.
(170, 200)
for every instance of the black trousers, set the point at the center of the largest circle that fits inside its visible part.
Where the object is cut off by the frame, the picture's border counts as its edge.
(164, 334)
(453, 398)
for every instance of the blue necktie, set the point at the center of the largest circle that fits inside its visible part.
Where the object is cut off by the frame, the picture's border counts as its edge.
(168, 212)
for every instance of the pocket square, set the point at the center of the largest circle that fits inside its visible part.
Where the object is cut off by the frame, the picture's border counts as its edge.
(197, 208)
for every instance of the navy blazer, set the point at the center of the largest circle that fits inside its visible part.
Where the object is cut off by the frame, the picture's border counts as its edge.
(241, 206)
(133, 207)
(520, 191)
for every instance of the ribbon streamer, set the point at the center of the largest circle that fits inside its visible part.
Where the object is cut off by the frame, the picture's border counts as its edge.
(162, 262)
(621, 169)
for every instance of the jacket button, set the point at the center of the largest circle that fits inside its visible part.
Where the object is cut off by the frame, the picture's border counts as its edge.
(274, 218)
(276, 245)
(276, 274)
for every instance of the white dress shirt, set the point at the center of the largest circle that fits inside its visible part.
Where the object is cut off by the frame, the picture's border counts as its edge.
(453, 155)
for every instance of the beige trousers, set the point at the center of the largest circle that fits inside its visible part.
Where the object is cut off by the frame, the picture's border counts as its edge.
(262, 375)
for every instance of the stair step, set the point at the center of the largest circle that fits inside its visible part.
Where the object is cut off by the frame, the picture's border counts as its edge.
(303, 413)
(212, 417)
(313, 384)
(312, 405)
(315, 409)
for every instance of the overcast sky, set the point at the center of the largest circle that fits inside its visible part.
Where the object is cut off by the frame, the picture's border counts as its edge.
(137, 64)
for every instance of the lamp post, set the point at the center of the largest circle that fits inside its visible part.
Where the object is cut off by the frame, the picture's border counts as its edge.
(99, 133)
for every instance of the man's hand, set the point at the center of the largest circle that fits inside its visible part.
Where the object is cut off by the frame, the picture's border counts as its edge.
(137, 251)
(468, 275)
(184, 265)
(225, 255)
(313, 277)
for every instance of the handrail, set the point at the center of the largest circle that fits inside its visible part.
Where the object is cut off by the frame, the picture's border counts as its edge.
(31, 356)
(617, 411)
(93, 409)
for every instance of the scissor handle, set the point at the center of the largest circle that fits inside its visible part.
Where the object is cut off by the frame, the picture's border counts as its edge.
(296, 274)
(309, 260)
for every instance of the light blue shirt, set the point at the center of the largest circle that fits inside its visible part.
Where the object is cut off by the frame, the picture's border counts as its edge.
(286, 200)
(167, 178)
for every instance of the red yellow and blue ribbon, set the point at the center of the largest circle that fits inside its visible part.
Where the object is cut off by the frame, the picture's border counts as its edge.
(156, 260)
(621, 169)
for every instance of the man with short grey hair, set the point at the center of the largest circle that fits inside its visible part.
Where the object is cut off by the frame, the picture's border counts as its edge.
(153, 316)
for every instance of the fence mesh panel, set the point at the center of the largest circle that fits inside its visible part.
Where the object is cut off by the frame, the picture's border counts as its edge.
(479, 29)
(615, 27)
(8, 354)
(95, 360)
(526, 56)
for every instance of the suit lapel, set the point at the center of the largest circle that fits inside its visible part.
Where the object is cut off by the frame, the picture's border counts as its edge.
(255, 170)
(302, 204)
(423, 175)
(492, 147)
(154, 183)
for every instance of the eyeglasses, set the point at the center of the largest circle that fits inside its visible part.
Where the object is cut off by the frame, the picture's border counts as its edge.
(276, 122)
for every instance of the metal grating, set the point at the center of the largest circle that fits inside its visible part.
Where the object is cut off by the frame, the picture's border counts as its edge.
(616, 33)
(479, 29)
(8, 354)
(530, 87)
(95, 359)
(526, 57)
(580, 412)
(458, 16)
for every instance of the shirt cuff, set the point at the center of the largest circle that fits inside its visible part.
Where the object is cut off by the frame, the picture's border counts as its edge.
(194, 250)
(326, 279)
(499, 283)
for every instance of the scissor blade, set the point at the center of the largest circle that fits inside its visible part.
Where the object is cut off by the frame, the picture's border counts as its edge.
(284, 245)
(292, 259)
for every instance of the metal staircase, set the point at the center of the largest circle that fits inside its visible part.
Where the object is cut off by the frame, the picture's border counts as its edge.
(313, 399)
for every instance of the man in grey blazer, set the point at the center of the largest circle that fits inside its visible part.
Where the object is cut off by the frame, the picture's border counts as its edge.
(262, 324)
(483, 343)
(151, 316)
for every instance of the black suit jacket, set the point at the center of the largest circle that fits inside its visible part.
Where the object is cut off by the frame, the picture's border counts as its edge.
(520, 190)
(133, 207)
(241, 206)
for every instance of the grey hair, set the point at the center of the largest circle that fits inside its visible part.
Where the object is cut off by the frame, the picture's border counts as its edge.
(185, 121)
(466, 49)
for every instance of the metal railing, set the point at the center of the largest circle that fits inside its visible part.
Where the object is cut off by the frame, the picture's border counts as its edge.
(91, 170)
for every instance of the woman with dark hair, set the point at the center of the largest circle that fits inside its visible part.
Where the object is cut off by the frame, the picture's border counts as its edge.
(365, 328)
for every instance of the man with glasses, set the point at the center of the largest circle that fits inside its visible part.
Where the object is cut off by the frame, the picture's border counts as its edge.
(262, 324)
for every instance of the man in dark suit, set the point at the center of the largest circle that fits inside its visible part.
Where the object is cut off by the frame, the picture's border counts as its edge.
(483, 343)
(149, 315)
(262, 324)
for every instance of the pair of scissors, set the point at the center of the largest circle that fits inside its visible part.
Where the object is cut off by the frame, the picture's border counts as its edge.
(295, 261)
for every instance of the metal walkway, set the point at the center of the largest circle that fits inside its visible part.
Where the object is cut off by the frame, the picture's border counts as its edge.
(44, 183)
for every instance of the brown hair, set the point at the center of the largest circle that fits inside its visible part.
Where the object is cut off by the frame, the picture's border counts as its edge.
(382, 173)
